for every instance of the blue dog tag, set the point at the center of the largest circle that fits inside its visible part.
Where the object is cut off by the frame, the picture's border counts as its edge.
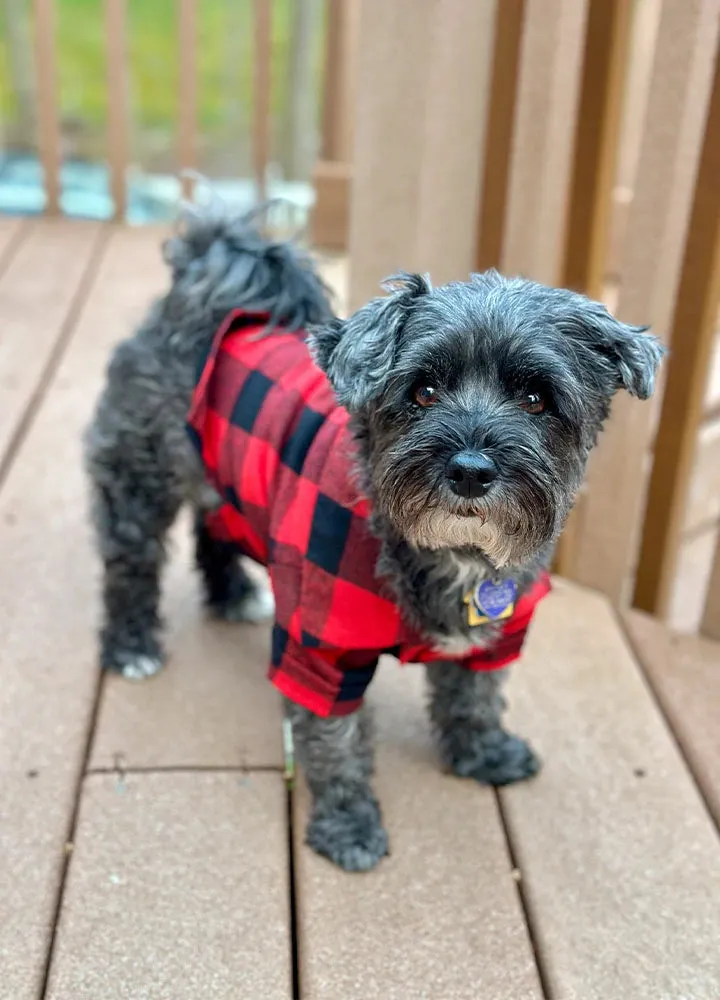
(495, 599)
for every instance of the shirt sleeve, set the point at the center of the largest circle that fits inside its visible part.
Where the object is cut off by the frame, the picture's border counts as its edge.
(324, 679)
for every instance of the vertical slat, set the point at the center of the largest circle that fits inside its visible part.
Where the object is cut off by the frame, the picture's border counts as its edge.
(710, 625)
(338, 87)
(596, 141)
(509, 20)
(548, 92)
(692, 335)
(188, 91)
(607, 34)
(639, 63)
(117, 82)
(605, 545)
(299, 132)
(332, 175)
(48, 114)
(262, 34)
(420, 124)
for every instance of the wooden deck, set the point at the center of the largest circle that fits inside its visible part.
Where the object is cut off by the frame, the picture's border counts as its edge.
(146, 851)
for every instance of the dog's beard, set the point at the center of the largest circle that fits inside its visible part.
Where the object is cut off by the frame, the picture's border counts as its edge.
(512, 523)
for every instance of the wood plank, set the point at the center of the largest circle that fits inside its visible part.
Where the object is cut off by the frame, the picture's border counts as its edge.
(684, 672)
(332, 176)
(620, 860)
(216, 672)
(178, 887)
(341, 37)
(117, 114)
(610, 508)
(13, 229)
(710, 625)
(692, 577)
(592, 178)
(37, 291)
(415, 189)
(547, 100)
(48, 112)
(448, 883)
(607, 35)
(262, 81)
(703, 506)
(509, 20)
(48, 654)
(188, 91)
(692, 337)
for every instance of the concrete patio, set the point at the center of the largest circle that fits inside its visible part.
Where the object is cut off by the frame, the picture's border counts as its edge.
(149, 846)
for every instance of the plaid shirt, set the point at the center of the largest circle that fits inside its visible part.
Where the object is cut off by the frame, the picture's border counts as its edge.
(276, 446)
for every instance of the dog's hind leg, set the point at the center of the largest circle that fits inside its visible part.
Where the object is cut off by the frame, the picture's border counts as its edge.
(336, 755)
(230, 593)
(466, 710)
(133, 510)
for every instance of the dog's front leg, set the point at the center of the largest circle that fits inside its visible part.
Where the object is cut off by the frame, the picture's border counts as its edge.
(466, 710)
(337, 757)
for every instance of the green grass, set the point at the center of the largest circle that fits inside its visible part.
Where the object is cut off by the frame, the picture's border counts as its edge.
(224, 62)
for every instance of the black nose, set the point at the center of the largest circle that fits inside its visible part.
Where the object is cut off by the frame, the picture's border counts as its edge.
(470, 473)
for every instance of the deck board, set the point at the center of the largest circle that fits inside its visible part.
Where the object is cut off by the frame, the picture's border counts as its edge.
(440, 917)
(620, 860)
(48, 671)
(684, 671)
(177, 889)
(12, 231)
(36, 292)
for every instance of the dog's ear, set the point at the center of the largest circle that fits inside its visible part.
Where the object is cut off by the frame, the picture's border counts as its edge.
(358, 354)
(632, 353)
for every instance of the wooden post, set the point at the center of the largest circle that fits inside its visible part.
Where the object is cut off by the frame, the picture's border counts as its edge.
(117, 83)
(262, 79)
(693, 329)
(604, 549)
(332, 176)
(48, 116)
(420, 123)
(509, 21)
(188, 91)
(710, 625)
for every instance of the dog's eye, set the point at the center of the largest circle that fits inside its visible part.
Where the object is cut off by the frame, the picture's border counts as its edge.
(532, 402)
(425, 395)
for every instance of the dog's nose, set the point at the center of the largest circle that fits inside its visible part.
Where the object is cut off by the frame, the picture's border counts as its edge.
(470, 473)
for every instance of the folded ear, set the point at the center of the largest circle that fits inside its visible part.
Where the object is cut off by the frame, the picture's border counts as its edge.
(358, 354)
(633, 353)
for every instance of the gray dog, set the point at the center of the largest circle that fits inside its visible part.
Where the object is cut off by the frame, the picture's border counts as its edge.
(403, 474)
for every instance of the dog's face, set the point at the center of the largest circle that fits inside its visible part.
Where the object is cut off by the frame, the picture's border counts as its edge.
(477, 404)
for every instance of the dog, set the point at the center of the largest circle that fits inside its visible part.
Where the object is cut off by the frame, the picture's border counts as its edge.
(404, 474)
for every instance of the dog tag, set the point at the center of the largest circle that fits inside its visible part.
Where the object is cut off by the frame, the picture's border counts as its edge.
(491, 602)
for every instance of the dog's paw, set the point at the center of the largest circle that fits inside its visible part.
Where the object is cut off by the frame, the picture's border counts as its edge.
(352, 835)
(255, 606)
(494, 757)
(134, 666)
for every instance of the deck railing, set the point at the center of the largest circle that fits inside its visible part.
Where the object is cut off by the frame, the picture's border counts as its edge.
(574, 141)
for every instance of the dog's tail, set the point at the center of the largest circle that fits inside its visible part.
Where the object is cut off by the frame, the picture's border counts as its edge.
(221, 261)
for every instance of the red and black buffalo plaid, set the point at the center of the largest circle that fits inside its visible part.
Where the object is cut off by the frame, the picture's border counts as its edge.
(275, 445)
